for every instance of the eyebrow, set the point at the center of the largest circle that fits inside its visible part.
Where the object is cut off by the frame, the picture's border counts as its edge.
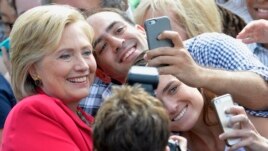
(167, 87)
(108, 29)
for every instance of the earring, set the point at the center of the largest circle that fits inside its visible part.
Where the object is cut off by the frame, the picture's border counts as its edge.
(37, 81)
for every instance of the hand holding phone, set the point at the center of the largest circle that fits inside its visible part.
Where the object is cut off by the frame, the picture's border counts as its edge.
(153, 28)
(220, 104)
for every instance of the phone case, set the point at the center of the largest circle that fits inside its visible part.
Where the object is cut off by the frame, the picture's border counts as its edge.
(6, 44)
(220, 104)
(153, 28)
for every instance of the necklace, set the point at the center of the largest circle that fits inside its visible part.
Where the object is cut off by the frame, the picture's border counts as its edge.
(83, 117)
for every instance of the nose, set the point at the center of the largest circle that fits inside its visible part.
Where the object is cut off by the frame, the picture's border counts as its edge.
(171, 107)
(81, 64)
(117, 43)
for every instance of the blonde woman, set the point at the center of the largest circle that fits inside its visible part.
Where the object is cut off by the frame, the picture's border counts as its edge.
(189, 18)
(52, 70)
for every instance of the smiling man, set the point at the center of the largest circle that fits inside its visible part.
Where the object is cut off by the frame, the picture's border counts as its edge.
(202, 62)
(117, 44)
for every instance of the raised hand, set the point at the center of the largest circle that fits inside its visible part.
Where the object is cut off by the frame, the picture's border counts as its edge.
(248, 134)
(255, 31)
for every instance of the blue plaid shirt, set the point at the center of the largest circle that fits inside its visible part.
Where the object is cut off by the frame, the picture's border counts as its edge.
(211, 50)
(260, 52)
(98, 92)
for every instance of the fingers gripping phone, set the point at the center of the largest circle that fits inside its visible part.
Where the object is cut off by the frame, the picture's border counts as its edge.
(154, 27)
(220, 104)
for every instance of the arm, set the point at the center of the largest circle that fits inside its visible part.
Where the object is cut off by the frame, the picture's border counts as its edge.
(249, 136)
(255, 31)
(247, 88)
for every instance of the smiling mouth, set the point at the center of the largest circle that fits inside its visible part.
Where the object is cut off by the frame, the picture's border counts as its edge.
(78, 79)
(261, 10)
(127, 54)
(181, 114)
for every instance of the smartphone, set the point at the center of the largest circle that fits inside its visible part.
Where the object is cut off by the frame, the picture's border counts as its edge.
(220, 104)
(147, 77)
(154, 27)
(5, 44)
(173, 146)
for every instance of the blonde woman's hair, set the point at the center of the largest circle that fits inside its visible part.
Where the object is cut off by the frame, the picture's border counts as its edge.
(195, 16)
(36, 33)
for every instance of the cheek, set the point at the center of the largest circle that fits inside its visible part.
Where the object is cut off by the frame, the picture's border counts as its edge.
(92, 64)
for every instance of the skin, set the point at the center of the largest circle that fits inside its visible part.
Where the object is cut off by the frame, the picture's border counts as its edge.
(181, 65)
(81, 4)
(178, 97)
(185, 105)
(258, 9)
(247, 88)
(9, 14)
(248, 133)
(22, 6)
(255, 32)
(116, 47)
(73, 67)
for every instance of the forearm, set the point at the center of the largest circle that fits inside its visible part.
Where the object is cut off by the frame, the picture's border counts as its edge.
(247, 88)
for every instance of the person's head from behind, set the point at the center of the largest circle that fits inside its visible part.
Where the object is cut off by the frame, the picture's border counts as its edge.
(258, 9)
(188, 18)
(117, 42)
(52, 51)
(131, 120)
(183, 103)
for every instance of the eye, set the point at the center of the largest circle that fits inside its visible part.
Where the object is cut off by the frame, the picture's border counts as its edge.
(101, 48)
(65, 56)
(119, 30)
(87, 52)
(172, 90)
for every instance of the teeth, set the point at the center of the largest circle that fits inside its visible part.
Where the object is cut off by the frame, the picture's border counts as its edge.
(181, 114)
(78, 80)
(263, 10)
(128, 54)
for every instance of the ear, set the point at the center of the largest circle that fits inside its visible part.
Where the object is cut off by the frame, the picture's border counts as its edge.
(140, 28)
(33, 73)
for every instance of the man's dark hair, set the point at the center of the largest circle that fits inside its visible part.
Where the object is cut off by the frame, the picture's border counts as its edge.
(131, 120)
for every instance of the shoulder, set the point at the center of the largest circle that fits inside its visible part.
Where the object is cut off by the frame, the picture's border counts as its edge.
(37, 104)
(213, 36)
(215, 42)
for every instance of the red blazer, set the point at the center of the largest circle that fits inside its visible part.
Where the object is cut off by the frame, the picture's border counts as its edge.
(44, 123)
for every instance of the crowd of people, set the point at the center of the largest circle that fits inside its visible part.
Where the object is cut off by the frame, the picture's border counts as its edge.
(64, 75)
